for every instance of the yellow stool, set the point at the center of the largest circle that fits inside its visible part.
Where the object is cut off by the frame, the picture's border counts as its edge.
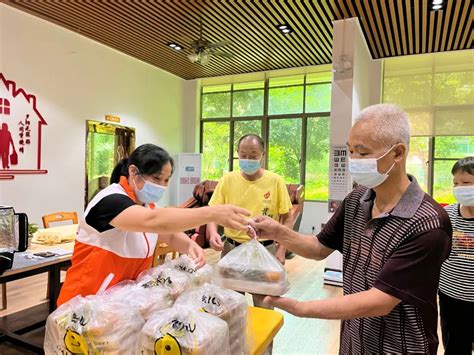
(264, 325)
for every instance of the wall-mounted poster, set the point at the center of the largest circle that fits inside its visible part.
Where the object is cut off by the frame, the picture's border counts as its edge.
(21, 126)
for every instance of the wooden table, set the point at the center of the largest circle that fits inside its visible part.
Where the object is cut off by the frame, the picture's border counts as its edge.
(24, 266)
(264, 324)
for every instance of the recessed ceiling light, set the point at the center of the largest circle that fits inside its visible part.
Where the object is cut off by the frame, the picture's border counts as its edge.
(175, 46)
(437, 2)
(437, 7)
(284, 28)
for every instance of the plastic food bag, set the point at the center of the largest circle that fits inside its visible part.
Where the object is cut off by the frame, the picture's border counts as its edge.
(92, 325)
(198, 276)
(252, 268)
(166, 277)
(186, 331)
(229, 306)
(146, 300)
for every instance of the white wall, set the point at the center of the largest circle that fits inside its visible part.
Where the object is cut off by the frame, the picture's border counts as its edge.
(75, 79)
(191, 115)
(314, 213)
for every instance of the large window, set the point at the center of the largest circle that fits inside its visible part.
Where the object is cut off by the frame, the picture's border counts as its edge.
(436, 91)
(292, 115)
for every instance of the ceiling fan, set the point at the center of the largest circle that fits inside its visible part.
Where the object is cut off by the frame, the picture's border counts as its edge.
(202, 49)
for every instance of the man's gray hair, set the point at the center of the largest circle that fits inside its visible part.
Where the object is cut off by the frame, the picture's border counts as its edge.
(389, 123)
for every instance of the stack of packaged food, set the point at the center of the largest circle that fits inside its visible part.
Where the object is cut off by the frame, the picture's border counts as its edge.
(170, 307)
(186, 331)
(228, 305)
(198, 276)
(165, 277)
(92, 325)
(146, 298)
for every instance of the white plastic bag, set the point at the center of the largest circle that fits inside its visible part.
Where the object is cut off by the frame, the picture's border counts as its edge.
(146, 300)
(186, 331)
(166, 277)
(91, 325)
(198, 276)
(229, 306)
(252, 268)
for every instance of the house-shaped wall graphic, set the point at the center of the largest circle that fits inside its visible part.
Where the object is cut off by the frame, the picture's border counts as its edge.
(20, 131)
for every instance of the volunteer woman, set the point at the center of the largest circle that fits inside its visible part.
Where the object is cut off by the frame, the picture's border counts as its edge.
(118, 232)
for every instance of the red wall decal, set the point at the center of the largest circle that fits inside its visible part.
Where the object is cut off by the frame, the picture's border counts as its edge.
(20, 132)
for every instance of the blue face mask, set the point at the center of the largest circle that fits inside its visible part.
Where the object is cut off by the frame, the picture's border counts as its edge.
(150, 192)
(249, 166)
(464, 195)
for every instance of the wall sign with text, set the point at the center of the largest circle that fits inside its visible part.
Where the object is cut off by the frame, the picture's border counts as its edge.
(21, 126)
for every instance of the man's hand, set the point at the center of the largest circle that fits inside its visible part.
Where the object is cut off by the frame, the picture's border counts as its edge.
(266, 227)
(251, 232)
(289, 305)
(215, 242)
(230, 216)
(197, 254)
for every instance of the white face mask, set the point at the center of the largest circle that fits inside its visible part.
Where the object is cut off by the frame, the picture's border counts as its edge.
(150, 192)
(464, 195)
(365, 173)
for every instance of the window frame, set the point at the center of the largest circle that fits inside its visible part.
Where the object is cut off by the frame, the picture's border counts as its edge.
(265, 119)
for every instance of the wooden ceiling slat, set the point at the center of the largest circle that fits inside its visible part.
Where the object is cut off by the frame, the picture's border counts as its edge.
(302, 31)
(439, 25)
(432, 16)
(156, 27)
(246, 44)
(317, 36)
(240, 17)
(255, 42)
(378, 30)
(466, 31)
(410, 29)
(447, 24)
(383, 28)
(388, 26)
(457, 42)
(416, 25)
(401, 24)
(342, 9)
(272, 35)
(289, 39)
(454, 24)
(142, 29)
(365, 28)
(160, 43)
(335, 11)
(425, 25)
(395, 26)
(321, 13)
(350, 8)
(209, 34)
